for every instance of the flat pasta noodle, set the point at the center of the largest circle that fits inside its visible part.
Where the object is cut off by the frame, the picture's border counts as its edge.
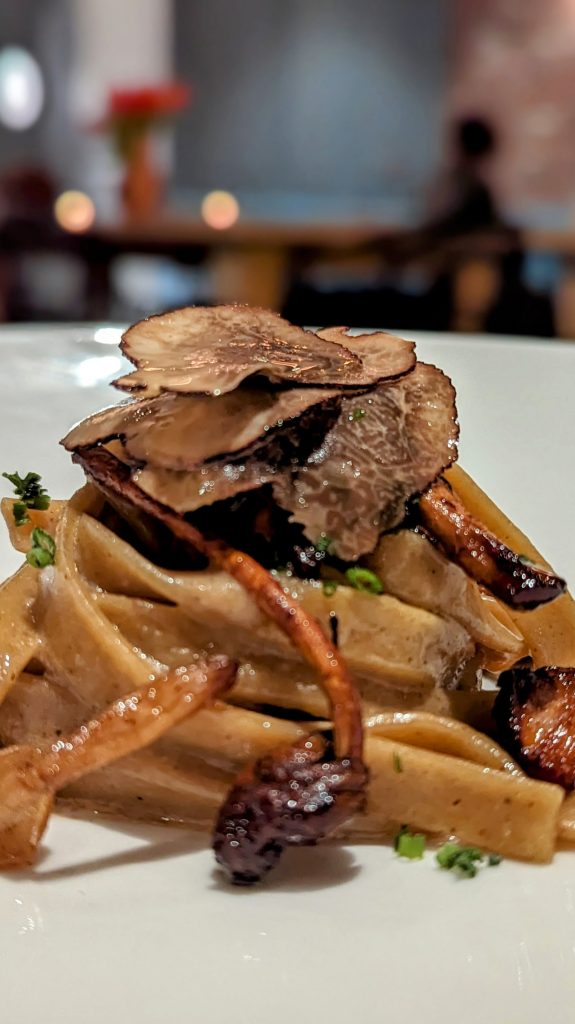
(127, 619)
(501, 811)
(413, 569)
(409, 648)
(442, 734)
(19, 638)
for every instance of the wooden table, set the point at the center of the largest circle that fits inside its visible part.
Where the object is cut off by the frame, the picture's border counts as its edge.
(253, 261)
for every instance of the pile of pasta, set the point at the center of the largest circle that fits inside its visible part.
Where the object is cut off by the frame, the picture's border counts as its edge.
(104, 620)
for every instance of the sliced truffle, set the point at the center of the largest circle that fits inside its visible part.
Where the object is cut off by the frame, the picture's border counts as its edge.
(181, 432)
(535, 716)
(188, 490)
(114, 421)
(385, 447)
(211, 351)
(384, 356)
(488, 560)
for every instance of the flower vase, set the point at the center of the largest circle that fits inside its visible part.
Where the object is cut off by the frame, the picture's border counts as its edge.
(143, 184)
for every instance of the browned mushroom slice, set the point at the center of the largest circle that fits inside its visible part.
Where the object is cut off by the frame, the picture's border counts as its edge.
(197, 350)
(383, 355)
(484, 556)
(385, 447)
(535, 715)
(295, 795)
(182, 432)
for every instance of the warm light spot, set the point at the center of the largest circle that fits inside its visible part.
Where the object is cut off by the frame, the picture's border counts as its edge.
(74, 211)
(21, 88)
(220, 210)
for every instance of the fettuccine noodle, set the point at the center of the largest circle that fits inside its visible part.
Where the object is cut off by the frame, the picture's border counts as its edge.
(104, 619)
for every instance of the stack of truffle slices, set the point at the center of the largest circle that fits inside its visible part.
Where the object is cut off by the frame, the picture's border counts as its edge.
(336, 431)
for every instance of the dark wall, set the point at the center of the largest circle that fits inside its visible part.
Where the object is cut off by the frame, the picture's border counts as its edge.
(331, 96)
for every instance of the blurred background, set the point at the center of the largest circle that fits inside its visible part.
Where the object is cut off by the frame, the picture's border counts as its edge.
(398, 163)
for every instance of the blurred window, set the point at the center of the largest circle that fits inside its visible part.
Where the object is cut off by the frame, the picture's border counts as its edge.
(21, 88)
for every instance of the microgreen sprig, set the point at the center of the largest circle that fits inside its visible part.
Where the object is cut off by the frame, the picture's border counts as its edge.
(31, 494)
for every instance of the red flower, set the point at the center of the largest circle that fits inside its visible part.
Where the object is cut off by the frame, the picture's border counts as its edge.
(150, 101)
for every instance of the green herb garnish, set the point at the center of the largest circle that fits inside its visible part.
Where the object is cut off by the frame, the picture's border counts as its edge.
(463, 859)
(323, 544)
(329, 587)
(20, 513)
(494, 860)
(364, 580)
(409, 844)
(43, 550)
(357, 414)
(397, 765)
(31, 494)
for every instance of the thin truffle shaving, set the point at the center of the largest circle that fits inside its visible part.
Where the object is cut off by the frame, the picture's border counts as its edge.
(211, 351)
(183, 432)
(385, 447)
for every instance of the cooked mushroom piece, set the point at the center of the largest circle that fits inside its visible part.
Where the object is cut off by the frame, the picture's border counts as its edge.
(385, 447)
(511, 578)
(242, 855)
(294, 796)
(30, 777)
(211, 351)
(535, 715)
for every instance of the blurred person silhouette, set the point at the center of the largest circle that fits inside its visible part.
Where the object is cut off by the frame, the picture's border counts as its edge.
(465, 201)
(462, 200)
(474, 255)
(420, 283)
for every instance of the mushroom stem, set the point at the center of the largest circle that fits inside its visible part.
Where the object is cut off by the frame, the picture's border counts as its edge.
(482, 555)
(30, 777)
(306, 634)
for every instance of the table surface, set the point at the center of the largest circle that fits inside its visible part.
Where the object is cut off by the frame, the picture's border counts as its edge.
(172, 227)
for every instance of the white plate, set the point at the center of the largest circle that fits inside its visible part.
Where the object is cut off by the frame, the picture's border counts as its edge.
(132, 924)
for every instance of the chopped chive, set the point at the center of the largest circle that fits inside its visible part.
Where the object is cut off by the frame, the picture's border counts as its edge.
(397, 765)
(358, 414)
(20, 513)
(409, 844)
(463, 859)
(364, 580)
(329, 587)
(323, 544)
(494, 859)
(43, 549)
